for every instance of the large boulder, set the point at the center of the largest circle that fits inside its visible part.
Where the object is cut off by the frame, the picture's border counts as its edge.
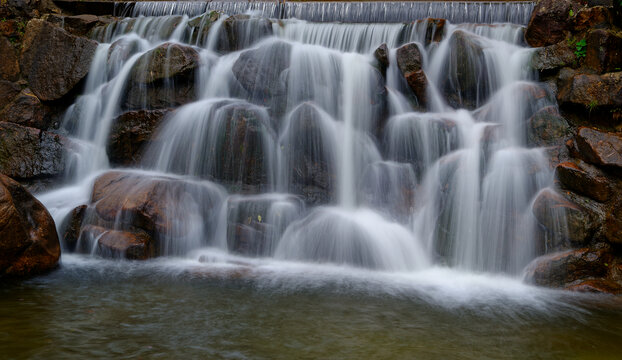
(53, 60)
(410, 63)
(553, 56)
(136, 245)
(28, 240)
(26, 109)
(550, 21)
(240, 31)
(599, 147)
(201, 25)
(30, 153)
(591, 91)
(130, 133)
(162, 77)
(9, 67)
(604, 50)
(584, 179)
(78, 25)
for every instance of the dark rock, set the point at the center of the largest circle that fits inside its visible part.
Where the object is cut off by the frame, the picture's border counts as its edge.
(591, 91)
(71, 227)
(595, 286)
(584, 179)
(130, 133)
(597, 17)
(9, 67)
(547, 128)
(550, 21)
(78, 25)
(240, 31)
(435, 28)
(53, 60)
(599, 147)
(553, 56)
(613, 223)
(121, 244)
(8, 91)
(201, 25)
(559, 270)
(26, 110)
(28, 240)
(27, 152)
(563, 219)
(382, 55)
(410, 63)
(604, 51)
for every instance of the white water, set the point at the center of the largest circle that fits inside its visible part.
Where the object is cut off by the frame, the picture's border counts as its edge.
(386, 187)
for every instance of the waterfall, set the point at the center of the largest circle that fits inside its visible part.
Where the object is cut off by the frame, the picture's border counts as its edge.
(305, 146)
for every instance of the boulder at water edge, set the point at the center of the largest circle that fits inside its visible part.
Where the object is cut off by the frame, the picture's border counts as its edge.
(28, 240)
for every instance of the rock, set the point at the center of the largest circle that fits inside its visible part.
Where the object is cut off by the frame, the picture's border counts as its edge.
(261, 73)
(308, 146)
(26, 110)
(597, 17)
(591, 91)
(435, 29)
(599, 147)
(563, 219)
(549, 22)
(410, 63)
(9, 67)
(584, 180)
(54, 61)
(613, 223)
(78, 25)
(382, 55)
(604, 51)
(201, 25)
(28, 240)
(28, 153)
(130, 133)
(121, 244)
(70, 227)
(8, 91)
(547, 128)
(597, 286)
(553, 56)
(561, 269)
(464, 82)
(240, 31)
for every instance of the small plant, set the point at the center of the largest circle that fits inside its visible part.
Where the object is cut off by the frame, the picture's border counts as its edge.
(570, 13)
(592, 105)
(581, 48)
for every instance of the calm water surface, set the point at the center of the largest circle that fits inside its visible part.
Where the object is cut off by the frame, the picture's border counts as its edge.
(266, 310)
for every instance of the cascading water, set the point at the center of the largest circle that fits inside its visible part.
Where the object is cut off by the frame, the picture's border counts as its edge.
(295, 144)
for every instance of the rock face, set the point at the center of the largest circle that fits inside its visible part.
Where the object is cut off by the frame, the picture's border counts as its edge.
(410, 63)
(549, 22)
(53, 60)
(604, 50)
(600, 148)
(28, 240)
(9, 68)
(30, 153)
(584, 179)
(591, 91)
(162, 78)
(8, 92)
(26, 110)
(130, 133)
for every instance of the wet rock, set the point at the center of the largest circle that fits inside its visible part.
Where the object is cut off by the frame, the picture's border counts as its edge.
(563, 219)
(595, 286)
(604, 51)
(599, 147)
(54, 61)
(435, 29)
(597, 17)
(27, 153)
(464, 81)
(410, 63)
(8, 91)
(547, 128)
(591, 91)
(553, 56)
(130, 133)
(201, 25)
(261, 72)
(121, 244)
(28, 240)
(9, 67)
(382, 55)
(559, 270)
(26, 110)
(70, 227)
(550, 21)
(584, 179)
(240, 31)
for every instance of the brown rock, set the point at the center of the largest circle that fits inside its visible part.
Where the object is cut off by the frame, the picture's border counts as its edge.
(121, 244)
(53, 60)
(597, 286)
(8, 91)
(599, 147)
(584, 179)
(9, 68)
(596, 17)
(613, 223)
(435, 28)
(547, 128)
(591, 91)
(27, 153)
(410, 63)
(561, 269)
(553, 56)
(28, 240)
(71, 227)
(549, 22)
(604, 51)
(26, 110)
(382, 55)
(78, 25)
(167, 61)
(130, 133)
(9, 28)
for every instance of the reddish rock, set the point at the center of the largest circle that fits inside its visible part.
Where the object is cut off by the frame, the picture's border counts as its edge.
(591, 91)
(596, 17)
(410, 63)
(71, 227)
(584, 179)
(9, 68)
(28, 153)
(596, 286)
(549, 22)
(53, 60)
(28, 240)
(8, 28)
(8, 91)
(560, 269)
(435, 28)
(130, 133)
(604, 51)
(26, 109)
(121, 244)
(599, 147)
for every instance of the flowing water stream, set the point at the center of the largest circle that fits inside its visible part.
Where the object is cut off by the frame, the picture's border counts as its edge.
(391, 226)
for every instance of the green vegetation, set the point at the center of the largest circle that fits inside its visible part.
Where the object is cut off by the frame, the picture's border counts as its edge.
(581, 48)
(592, 105)
(570, 13)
